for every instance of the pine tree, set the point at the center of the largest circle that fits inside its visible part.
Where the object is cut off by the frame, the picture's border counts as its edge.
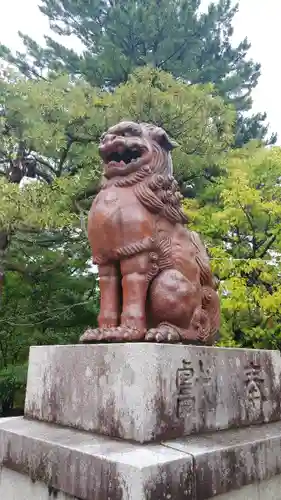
(175, 36)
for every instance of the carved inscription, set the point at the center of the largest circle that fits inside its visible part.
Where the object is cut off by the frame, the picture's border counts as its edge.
(254, 381)
(186, 380)
(185, 385)
(204, 374)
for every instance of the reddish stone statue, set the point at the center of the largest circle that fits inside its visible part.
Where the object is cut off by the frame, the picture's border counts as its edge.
(155, 278)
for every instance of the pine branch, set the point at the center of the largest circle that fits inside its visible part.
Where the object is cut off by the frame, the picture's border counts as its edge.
(267, 246)
(44, 162)
(46, 177)
(251, 224)
(63, 155)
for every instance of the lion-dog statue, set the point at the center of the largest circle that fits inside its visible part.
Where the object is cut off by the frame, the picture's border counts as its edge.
(154, 274)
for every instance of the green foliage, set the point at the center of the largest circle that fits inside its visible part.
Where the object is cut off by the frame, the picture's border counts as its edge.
(175, 36)
(240, 218)
(56, 125)
(12, 386)
(49, 297)
(253, 127)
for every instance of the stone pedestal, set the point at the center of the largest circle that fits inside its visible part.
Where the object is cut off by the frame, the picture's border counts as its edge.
(162, 422)
(147, 392)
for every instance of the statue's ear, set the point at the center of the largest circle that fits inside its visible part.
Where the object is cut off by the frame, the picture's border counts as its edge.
(164, 140)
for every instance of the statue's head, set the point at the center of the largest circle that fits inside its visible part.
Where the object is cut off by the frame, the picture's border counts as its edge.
(127, 147)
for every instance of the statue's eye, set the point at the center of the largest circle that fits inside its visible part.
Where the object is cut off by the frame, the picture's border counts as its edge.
(132, 132)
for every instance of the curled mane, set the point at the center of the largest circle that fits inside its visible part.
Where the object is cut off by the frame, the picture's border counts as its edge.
(161, 196)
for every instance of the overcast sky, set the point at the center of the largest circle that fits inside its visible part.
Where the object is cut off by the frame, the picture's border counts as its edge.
(259, 20)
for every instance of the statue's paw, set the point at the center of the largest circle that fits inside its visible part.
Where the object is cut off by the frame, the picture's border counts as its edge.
(132, 334)
(163, 333)
(123, 334)
(90, 335)
(113, 334)
(101, 335)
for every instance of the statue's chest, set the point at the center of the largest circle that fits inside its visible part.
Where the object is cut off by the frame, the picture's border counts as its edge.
(116, 219)
(112, 206)
(107, 202)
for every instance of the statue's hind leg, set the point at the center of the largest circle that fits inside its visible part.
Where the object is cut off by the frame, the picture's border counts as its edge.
(176, 310)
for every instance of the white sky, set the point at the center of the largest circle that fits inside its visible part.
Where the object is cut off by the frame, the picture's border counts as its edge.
(259, 20)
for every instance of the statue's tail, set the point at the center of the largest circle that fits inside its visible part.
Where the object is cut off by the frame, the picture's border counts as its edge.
(210, 298)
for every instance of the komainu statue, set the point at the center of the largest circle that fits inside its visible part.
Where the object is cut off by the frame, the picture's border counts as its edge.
(155, 278)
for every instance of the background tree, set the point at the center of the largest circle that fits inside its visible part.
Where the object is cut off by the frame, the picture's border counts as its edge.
(175, 36)
(49, 298)
(240, 219)
(49, 134)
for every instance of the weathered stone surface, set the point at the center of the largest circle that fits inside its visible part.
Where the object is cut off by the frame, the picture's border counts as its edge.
(93, 467)
(229, 460)
(19, 487)
(266, 490)
(16, 486)
(146, 392)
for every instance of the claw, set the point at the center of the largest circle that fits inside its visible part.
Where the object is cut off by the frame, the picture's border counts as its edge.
(159, 337)
(150, 336)
(90, 335)
(173, 337)
(163, 333)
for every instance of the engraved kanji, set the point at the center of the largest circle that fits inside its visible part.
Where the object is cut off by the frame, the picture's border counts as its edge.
(254, 380)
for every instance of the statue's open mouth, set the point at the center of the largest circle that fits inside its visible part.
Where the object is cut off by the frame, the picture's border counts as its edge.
(123, 156)
(126, 156)
(118, 153)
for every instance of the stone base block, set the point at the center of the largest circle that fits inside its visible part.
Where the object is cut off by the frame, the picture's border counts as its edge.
(19, 487)
(149, 392)
(89, 467)
(267, 490)
(16, 486)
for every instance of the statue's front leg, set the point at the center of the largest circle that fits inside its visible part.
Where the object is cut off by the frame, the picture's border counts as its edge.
(110, 289)
(110, 299)
(137, 271)
(135, 281)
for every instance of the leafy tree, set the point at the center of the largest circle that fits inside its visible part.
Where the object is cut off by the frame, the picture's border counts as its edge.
(49, 299)
(49, 296)
(49, 133)
(240, 218)
(12, 387)
(50, 130)
(253, 127)
(176, 36)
